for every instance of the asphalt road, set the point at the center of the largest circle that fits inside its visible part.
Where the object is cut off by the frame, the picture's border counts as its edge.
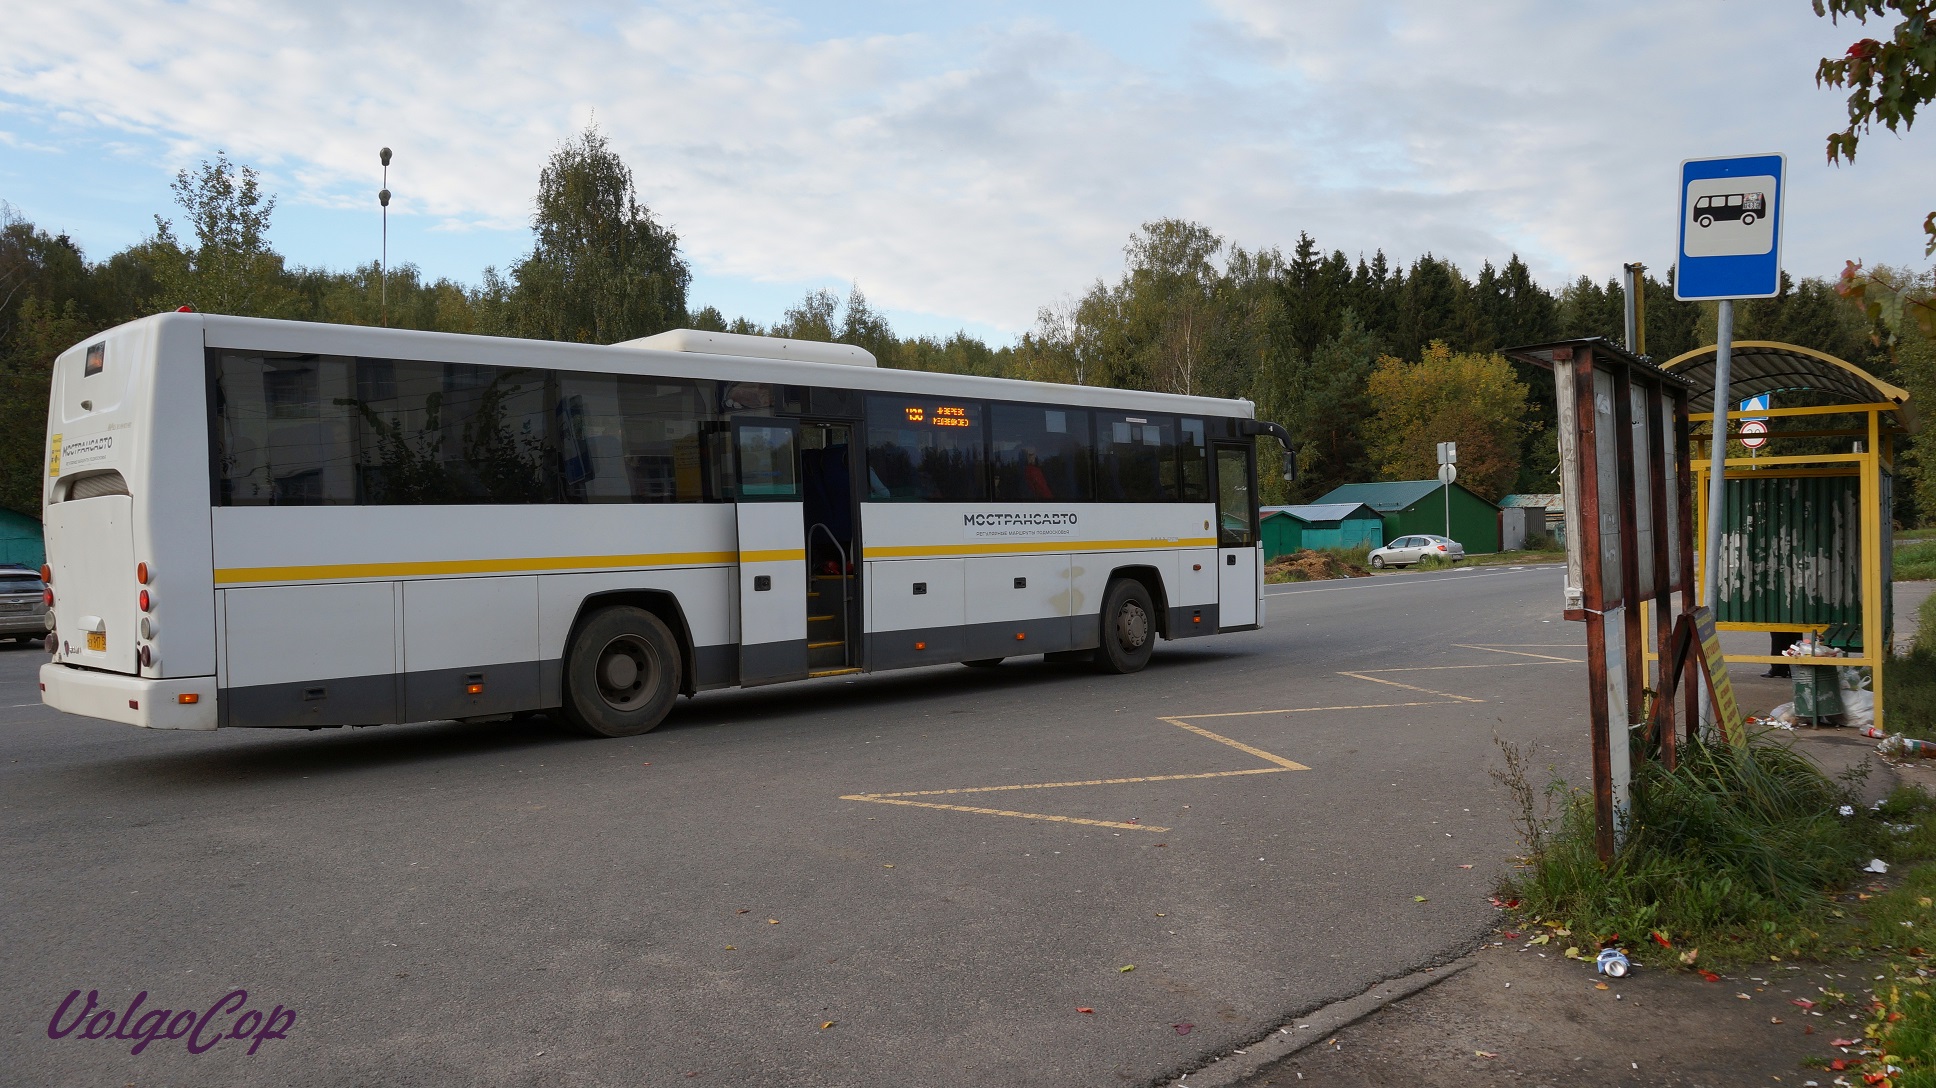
(735, 899)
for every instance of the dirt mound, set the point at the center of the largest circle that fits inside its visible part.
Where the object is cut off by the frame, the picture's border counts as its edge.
(1310, 566)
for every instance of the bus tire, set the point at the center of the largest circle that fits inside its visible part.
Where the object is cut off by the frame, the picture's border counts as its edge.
(1128, 627)
(622, 673)
(984, 662)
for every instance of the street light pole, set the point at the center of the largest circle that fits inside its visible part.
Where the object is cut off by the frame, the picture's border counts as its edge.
(383, 265)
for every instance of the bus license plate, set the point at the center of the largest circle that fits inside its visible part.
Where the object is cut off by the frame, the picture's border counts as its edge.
(15, 606)
(97, 641)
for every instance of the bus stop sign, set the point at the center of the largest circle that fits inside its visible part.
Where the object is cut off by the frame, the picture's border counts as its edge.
(1730, 228)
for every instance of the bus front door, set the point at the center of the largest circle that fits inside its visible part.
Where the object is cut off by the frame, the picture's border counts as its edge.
(772, 553)
(1238, 577)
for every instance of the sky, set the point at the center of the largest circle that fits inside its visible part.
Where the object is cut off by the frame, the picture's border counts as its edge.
(966, 164)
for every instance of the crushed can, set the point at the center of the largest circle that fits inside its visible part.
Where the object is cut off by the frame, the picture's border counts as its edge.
(1613, 963)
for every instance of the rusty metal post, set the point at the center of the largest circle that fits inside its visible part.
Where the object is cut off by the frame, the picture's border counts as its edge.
(1592, 597)
(1630, 588)
(1658, 452)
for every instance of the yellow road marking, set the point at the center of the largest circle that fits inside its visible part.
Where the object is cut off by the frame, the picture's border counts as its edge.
(1410, 687)
(1288, 765)
(1312, 709)
(1519, 653)
(1088, 782)
(1006, 812)
(1279, 764)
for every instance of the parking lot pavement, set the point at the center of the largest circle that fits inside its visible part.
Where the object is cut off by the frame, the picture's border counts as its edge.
(913, 878)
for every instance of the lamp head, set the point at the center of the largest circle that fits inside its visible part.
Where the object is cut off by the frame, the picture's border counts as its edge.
(384, 155)
(383, 197)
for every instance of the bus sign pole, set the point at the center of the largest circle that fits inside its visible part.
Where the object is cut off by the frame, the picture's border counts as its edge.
(1730, 248)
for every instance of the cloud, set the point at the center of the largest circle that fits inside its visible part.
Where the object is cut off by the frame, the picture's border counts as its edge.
(983, 168)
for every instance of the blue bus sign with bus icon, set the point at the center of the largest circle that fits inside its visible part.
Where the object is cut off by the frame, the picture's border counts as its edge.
(1730, 228)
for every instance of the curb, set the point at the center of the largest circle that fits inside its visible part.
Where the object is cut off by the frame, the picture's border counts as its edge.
(1303, 1031)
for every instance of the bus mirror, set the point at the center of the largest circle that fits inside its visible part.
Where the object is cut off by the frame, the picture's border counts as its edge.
(1290, 466)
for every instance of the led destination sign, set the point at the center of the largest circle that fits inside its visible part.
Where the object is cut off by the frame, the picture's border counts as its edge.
(944, 416)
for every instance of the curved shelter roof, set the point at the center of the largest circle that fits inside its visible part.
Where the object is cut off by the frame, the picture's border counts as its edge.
(1766, 366)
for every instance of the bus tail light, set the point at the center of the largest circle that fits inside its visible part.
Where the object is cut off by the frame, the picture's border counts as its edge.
(47, 574)
(1020, 635)
(47, 597)
(188, 698)
(147, 656)
(920, 645)
(144, 600)
(141, 573)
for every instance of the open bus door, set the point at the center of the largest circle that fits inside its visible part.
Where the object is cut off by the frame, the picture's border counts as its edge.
(772, 552)
(1239, 581)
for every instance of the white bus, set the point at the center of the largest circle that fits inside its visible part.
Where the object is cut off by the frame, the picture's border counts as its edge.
(275, 523)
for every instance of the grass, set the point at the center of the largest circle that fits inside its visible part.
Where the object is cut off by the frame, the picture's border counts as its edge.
(1916, 534)
(1909, 681)
(1916, 562)
(1355, 557)
(1739, 851)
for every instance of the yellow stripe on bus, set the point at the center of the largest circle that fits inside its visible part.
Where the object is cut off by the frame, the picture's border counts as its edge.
(1018, 547)
(232, 575)
(781, 555)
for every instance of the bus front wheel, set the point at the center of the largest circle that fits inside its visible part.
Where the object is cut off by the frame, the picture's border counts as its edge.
(622, 673)
(1128, 627)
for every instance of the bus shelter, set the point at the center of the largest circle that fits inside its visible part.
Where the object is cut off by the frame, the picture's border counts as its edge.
(1805, 542)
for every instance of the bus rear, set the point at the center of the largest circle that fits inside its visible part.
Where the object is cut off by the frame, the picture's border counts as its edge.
(126, 512)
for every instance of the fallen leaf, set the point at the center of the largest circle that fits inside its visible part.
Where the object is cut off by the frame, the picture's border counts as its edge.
(1688, 956)
(1126, 968)
(645, 764)
(1084, 1009)
(1803, 1002)
(1661, 939)
(1710, 976)
(1465, 866)
(1744, 997)
(1774, 1019)
(744, 910)
(1572, 953)
(1509, 935)
(828, 1024)
(1541, 939)
(1601, 986)
(1418, 899)
(773, 921)
(729, 948)
(1484, 1054)
(1841, 1042)
(1839, 1064)
(1183, 1029)
(887, 866)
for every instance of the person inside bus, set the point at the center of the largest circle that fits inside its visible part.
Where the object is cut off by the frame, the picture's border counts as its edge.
(1032, 478)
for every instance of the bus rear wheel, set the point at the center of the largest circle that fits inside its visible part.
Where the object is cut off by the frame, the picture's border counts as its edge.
(1128, 627)
(622, 673)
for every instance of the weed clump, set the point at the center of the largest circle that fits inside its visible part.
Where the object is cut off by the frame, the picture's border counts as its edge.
(1748, 843)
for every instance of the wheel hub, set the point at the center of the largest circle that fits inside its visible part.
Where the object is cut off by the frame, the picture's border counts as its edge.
(625, 666)
(1132, 626)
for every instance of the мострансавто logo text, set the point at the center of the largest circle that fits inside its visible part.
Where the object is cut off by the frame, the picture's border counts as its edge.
(201, 1029)
(984, 521)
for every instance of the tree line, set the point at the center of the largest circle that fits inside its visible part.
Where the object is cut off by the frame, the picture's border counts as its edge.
(1368, 361)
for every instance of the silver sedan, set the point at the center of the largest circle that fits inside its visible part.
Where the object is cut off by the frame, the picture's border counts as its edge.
(23, 607)
(1407, 550)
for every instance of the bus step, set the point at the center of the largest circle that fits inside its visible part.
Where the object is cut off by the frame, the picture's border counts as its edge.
(824, 645)
(822, 619)
(831, 672)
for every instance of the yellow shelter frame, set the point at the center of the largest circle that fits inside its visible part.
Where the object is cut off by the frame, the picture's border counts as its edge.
(1761, 366)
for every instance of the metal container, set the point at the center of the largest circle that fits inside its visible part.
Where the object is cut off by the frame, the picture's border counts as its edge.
(1818, 691)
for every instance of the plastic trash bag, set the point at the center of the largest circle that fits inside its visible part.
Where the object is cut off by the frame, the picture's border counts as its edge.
(1858, 708)
(1785, 713)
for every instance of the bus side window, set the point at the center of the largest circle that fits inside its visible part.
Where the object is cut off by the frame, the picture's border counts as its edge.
(1193, 460)
(1135, 457)
(1039, 453)
(924, 449)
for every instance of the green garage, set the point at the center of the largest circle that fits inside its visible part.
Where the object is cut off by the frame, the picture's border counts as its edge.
(20, 540)
(1289, 529)
(1420, 506)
